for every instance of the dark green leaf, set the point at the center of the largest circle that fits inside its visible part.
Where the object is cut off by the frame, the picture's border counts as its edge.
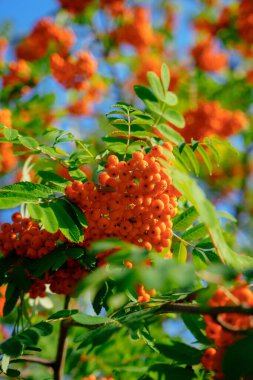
(12, 347)
(180, 352)
(144, 93)
(63, 314)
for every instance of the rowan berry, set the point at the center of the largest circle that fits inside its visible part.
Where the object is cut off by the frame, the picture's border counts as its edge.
(16, 217)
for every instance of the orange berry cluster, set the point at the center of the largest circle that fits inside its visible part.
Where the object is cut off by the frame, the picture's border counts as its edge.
(7, 158)
(208, 58)
(135, 203)
(75, 6)
(213, 27)
(3, 48)
(245, 20)
(24, 238)
(19, 74)
(85, 105)
(114, 7)
(73, 73)
(45, 35)
(138, 34)
(153, 63)
(210, 119)
(225, 328)
(2, 299)
(144, 295)
(65, 279)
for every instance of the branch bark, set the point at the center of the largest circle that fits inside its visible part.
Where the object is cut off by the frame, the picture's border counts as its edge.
(58, 365)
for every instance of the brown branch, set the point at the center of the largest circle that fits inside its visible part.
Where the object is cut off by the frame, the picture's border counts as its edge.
(194, 309)
(33, 359)
(175, 308)
(59, 363)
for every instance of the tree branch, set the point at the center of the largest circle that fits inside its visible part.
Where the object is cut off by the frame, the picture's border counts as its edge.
(170, 307)
(33, 359)
(59, 363)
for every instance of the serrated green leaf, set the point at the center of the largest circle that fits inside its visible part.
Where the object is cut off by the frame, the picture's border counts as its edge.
(185, 220)
(196, 326)
(22, 192)
(174, 118)
(67, 220)
(165, 76)
(205, 157)
(144, 93)
(155, 84)
(189, 154)
(226, 215)
(197, 232)
(28, 142)
(85, 319)
(53, 178)
(180, 352)
(180, 252)
(10, 134)
(170, 99)
(63, 314)
(170, 134)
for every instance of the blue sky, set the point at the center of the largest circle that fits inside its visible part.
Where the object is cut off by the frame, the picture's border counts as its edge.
(24, 14)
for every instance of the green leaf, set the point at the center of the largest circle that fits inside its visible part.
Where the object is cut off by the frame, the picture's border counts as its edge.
(172, 373)
(215, 153)
(98, 300)
(79, 214)
(144, 93)
(189, 188)
(22, 192)
(28, 142)
(12, 296)
(46, 262)
(75, 252)
(13, 372)
(45, 214)
(237, 362)
(180, 252)
(29, 337)
(67, 220)
(97, 337)
(84, 319)
(165, 76)
(189, 155)
(155, 84)
(196, 326)
(170, 134)
(12, 347)
(226, 215)
(63, 314)
(185, 220)
(53, 178)
(180, 352)
(174, 118)
(5, 363)
(205, 157)
(43, 328)
(197, 232)
(10, 134)
(170, 99)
